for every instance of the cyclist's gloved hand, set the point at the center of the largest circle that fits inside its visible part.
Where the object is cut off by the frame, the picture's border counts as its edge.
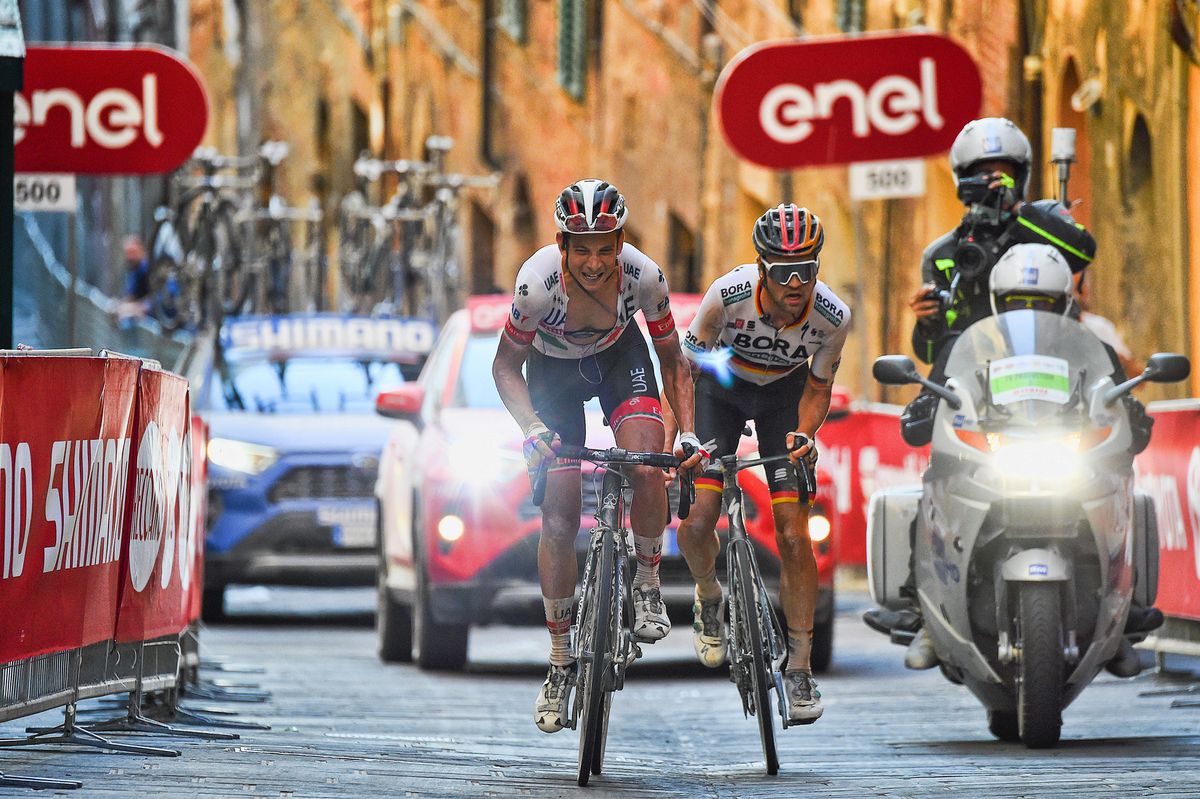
(539, 446)
(801, 446)
(696, 456)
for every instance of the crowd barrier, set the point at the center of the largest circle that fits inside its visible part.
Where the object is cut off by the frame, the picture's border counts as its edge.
(1169, 471)
(863, 452)
(101, 537)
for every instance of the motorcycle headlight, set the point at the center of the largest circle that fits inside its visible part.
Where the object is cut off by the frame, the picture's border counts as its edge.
(1054, 460)
(479, 466)
(241, 456)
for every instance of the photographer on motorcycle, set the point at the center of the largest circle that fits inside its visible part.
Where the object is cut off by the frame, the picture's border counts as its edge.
(1027, 276)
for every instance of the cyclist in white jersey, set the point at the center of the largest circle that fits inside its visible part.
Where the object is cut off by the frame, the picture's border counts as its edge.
(765, 345)
(572, 327)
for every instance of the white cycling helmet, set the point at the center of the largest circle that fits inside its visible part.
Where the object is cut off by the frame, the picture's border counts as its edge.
(992, 139)
(1031, 276)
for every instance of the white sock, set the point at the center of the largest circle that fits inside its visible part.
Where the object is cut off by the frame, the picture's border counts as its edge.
(649, 553)
(558, 622)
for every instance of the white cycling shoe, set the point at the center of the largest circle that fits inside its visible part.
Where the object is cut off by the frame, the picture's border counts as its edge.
(650, 622)
(708, 631)
(550, 711)
(803, 698)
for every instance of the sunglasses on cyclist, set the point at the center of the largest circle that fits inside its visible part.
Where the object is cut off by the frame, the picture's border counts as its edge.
(782, 273)
(577, 223)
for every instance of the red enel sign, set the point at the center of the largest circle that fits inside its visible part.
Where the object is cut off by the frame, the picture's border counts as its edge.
(818, 102)
(103, 110)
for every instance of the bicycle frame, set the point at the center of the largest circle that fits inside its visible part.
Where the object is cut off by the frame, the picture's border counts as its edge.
(772, 633)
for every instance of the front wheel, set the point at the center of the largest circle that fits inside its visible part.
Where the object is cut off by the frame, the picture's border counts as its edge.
(750, 614)
(1041, 668)
(595, 639)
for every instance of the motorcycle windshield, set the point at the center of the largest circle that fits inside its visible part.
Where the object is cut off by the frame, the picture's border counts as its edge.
(1028, 367)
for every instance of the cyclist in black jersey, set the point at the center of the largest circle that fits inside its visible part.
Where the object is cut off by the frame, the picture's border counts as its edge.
(765, 345)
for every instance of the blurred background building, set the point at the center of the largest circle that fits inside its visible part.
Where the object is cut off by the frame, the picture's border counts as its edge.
(548, 91)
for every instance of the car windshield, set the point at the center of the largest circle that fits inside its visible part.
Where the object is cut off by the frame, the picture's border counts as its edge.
(303, 385)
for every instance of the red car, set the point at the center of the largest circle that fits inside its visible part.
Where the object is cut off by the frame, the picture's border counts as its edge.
(458, 528)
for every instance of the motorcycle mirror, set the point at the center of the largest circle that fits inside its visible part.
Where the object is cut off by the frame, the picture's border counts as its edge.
(1167, 367)
(895, 370)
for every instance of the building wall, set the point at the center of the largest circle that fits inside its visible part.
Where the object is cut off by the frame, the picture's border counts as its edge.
(416, 67)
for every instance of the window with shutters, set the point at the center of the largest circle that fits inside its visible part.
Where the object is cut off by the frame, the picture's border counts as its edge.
(514, 17)
(572, 46)
(852, 15)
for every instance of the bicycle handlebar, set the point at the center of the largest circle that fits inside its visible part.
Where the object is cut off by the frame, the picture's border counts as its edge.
(728, 462)
(615, 456)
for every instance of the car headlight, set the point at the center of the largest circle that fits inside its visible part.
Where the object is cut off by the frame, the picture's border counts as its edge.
(241, 456)
(479, 465)
(818, 528)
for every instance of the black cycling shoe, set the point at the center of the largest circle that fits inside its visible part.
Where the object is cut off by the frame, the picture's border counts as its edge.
(1126, 663)
(1143, 620)
(884, 621)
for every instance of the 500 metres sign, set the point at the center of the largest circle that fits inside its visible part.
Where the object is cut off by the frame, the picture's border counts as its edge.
(841, 100)
(104, 110)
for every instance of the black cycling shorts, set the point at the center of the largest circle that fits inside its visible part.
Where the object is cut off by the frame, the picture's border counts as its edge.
(622, 376)
(722, 413)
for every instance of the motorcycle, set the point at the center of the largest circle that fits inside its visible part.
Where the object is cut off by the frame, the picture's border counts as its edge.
(1027, 539)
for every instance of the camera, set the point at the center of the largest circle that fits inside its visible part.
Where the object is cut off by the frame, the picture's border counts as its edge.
(976, 254)
(976, 190)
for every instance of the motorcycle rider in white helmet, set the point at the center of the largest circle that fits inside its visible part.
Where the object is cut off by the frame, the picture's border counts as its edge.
(1026, 277)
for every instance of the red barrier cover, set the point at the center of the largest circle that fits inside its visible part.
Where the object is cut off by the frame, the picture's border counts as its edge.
(1169, 470)
(65, 428)
(863, 452)
(199, 513)
(160, 542)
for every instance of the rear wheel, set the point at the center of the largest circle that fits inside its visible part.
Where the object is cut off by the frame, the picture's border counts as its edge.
(1040, 671)
(595, 628)
(750, 614)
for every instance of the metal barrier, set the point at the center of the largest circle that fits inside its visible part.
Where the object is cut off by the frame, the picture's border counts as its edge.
(103, 606)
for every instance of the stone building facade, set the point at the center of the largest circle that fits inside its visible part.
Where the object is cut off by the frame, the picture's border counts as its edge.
(547, 91)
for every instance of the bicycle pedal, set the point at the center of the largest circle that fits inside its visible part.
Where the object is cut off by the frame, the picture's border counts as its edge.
(901, 637)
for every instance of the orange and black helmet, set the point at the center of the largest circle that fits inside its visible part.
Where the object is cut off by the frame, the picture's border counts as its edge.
(788, 230)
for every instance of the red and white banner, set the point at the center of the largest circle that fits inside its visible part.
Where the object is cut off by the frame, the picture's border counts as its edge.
(837, 100)
(1169, 470)
(65, 449)
(107, 110)
(161, 534)
(863, 452)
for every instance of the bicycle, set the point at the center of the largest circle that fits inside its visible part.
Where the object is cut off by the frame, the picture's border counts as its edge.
(375, 240)
(272, 255)
(196, 276)
(755, 637)
(604, 648)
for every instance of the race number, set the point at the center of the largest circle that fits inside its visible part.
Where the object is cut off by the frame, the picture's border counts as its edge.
(44, 192)
(877, 180)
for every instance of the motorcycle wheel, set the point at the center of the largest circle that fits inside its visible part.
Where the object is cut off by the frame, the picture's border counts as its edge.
(1003, 725)
(1040, 672)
